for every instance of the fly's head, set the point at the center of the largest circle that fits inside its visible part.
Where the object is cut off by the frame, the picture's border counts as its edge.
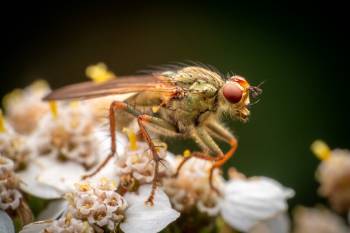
(235, 97)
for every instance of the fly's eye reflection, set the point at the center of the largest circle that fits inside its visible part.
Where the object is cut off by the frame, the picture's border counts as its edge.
(232, 92)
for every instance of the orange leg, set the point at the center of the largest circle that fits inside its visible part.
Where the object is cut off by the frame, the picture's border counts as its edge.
(142, 119)
(221, 161)
(218, 160)
(115, 105)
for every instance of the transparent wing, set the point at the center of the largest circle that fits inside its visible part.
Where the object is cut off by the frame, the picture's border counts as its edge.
(121, 85)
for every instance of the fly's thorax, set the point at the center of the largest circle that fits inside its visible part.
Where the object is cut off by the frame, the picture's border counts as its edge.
(199, 103)
(187, 76)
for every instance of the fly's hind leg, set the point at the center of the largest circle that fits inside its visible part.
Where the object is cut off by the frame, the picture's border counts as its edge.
(113, 108)
(157, 125)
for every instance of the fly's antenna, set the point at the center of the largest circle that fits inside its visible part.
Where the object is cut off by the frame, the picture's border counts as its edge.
(256, 90)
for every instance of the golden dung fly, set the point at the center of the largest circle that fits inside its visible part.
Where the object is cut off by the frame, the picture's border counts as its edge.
(179, 102)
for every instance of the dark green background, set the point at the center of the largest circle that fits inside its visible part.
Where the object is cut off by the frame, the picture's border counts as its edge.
(298, 49)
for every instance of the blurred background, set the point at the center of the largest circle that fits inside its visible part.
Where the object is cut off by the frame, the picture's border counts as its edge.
(298, 49)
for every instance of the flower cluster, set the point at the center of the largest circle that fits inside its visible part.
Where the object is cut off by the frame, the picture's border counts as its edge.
(318, 220)
(100, 205)
(190, 188)
(15, 146)
(71, 136)
(136, 165)
(47, 147)
(68, 224)
(24, 108)
(334, 175)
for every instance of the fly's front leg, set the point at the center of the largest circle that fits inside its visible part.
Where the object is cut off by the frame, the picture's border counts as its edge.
(202, 136)
(195, 135)
(115, 106)
(220, 132)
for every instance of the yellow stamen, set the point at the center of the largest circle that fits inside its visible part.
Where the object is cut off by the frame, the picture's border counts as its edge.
(86, 227)
(134, 158)
(132, 138)
(155, 109)
(68, 218)
(2, 123)
(99, 73)
(39, 85)
(321, 149)
(186, 153)
(84, 187)
(53, 109)
(74, 104)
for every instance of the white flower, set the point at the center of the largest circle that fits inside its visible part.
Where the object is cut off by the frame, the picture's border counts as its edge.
(24, 108)
(69, 225)
(248, 201)
(142, 218)
(16, 147)
(65, 224)
(108, 209)
(318, 219)
(44, 177)
(10, 197)
(137, 164)
(69, 136)
(98, 204)
(191, 189)
(6, 167)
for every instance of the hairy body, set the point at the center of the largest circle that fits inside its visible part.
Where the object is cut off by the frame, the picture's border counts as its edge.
(186, 102)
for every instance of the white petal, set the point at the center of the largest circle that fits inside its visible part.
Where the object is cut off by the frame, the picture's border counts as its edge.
(104, 141)
(62, 176)
(30, 184)
(54, 210)
(35, 227)
(246, 202)
(108, 171)
(6, 224)
(141, 218)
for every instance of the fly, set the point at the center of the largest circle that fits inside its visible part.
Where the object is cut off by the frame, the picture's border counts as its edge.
(189, 101)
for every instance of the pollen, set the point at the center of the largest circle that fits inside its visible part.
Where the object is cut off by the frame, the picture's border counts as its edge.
(84, 187)
(2, 123)
(99, 73)
(53, 109)
(155, 109)
(321, 150)
(132, 138)
(187, 153)
(40, 85)
(74, 104)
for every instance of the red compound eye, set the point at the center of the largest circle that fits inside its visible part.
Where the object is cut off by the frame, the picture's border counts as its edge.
(232, 92)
